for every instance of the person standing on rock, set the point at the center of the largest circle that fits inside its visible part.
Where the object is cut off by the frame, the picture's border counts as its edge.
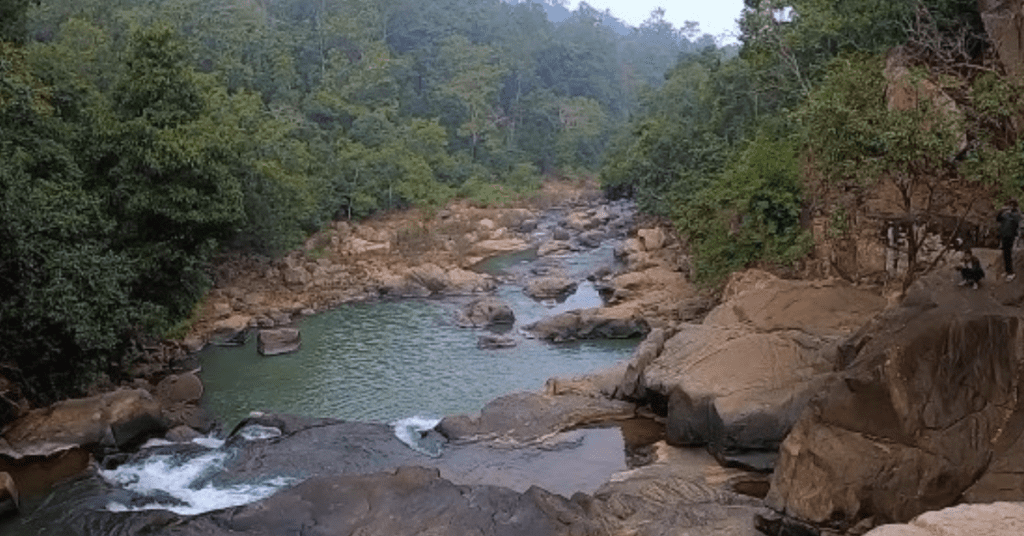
(1009, 222)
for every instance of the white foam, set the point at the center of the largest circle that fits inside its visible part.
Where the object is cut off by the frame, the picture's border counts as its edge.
(186, 481)
(257, 431)
(409, 431)
(209, 442)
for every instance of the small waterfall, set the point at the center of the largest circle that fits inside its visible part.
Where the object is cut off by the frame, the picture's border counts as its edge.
(419, 434)
(184, 481)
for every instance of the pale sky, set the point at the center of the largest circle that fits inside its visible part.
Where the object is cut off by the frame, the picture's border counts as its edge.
(715, 16)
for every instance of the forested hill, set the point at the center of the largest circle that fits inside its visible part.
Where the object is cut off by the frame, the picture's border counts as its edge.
(829, 104)
(138, 138)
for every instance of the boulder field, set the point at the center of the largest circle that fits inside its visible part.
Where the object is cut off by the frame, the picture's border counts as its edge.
(841, 413)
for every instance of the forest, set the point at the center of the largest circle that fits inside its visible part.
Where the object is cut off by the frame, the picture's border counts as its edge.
(739, 154)
(140, 139)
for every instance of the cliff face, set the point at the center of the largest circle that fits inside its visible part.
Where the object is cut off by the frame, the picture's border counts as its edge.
(931, 394)
(1004, 23)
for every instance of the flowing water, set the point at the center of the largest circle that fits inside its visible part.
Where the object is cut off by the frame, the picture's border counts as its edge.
(403, 362)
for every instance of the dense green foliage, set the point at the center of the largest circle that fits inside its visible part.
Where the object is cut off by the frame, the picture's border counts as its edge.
(139, 139)
(722, 147)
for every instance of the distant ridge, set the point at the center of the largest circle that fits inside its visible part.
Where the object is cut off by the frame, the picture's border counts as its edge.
(557, 13)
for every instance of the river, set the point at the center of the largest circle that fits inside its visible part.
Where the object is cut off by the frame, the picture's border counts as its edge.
(401, 362)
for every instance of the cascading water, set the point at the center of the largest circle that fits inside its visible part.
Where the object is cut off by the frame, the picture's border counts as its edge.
(185, 481)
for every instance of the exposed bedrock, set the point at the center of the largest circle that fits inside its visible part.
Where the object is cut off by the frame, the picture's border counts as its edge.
(930, 395)
(596, 323)
(739, 380)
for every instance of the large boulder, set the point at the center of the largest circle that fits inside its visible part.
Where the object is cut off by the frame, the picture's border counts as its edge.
(1002, 23)
(929, 396)
(997, 519)
(278, 341)
(742, 378)
(550, 288)
(118, 419)
(486, 311)
(594, 323)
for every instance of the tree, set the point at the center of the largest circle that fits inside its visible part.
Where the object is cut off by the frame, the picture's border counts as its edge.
(13, 21)
(859, 143)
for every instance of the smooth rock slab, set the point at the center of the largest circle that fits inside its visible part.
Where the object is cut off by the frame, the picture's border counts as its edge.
(996, 519)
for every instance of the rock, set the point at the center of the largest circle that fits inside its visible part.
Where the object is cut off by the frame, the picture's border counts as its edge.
(927, 398)
(646, 352)
(228, 330)
(467, 282)
(486, 224)
(12, 403)
(652, 239)
(527, 226)
(408, 501)
(182, 434)
(550, 288)
(589, 324)
(559, 234)
(590, 239)
(296, 276)
(628, 248)
(487, 311)
(280, 318)
(489, 248)
(742, 378)
(10, 503)
(190, 415)
(580, 222)
(525, 417)
(493, 341)
(120, 419)
(997, 519)
(179, 388)
(429, 276)
(604, 383)
(552, 247)
(400, 286)
(1003, 479)
(278, 341)
(222, 310)
(735, 388)
(1001, 20)
(193, 344)
(361, 246)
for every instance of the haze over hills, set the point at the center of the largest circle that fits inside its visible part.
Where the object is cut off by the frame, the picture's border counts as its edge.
(558, 13)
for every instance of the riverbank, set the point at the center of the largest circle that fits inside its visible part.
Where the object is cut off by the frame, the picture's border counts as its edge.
(727, 378)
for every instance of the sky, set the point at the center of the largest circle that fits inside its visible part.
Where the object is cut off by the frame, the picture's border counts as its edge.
(715, 16)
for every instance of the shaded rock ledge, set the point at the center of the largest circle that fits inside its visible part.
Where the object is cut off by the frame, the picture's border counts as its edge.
(927, 404)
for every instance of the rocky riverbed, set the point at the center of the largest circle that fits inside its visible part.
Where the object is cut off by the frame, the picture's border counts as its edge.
(789, 407)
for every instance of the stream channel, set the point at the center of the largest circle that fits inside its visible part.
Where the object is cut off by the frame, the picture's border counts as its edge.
(402, 364)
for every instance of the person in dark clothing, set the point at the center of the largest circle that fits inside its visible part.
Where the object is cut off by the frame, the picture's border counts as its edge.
(970, 270)
(1009, 223)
